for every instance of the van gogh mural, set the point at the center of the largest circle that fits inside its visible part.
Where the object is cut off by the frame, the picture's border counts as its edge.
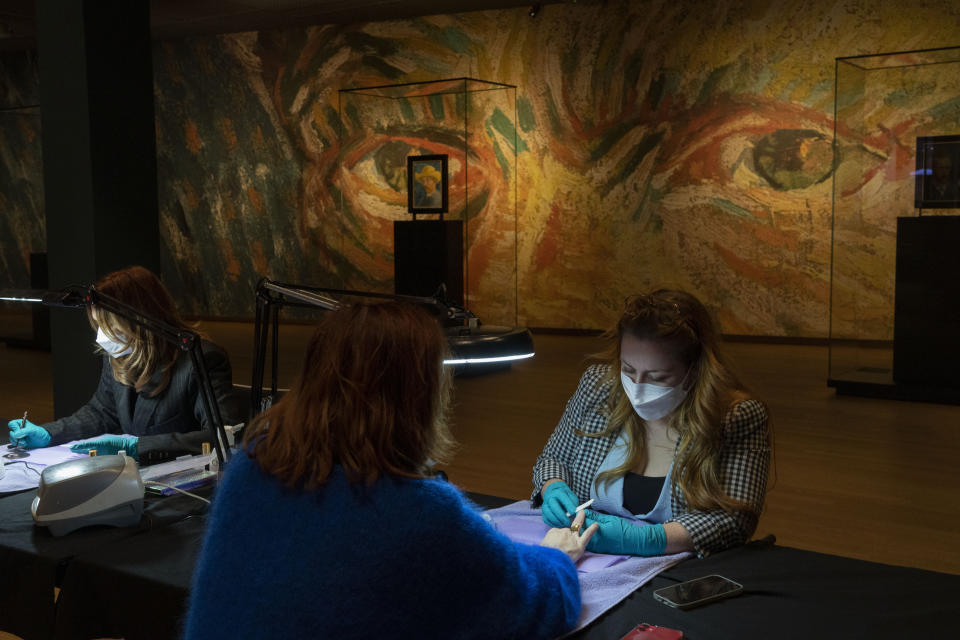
(656, 142)
(22, 228)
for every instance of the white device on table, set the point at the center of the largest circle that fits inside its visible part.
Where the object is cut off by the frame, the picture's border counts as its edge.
(693, 593)
(96, 490)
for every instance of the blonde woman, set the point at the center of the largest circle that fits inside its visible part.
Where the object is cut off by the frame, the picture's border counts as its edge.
(663, 437)
(148, 401)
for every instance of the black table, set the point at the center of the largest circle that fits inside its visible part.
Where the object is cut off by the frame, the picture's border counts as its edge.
(790, 593)
(133, 583)
(33, 562)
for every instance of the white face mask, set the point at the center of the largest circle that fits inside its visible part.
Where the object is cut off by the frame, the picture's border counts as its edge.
(115, 349)
(650, 401)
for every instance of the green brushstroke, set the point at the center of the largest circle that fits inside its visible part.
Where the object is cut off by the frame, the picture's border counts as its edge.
(789, 325)
(640, 151)
(655, 91)
(947, 111)
(406, 110)
(730, 207)
(556, 126)
(633, 69)
(476, 204)
(450, 37)
(333, 118)
(436, 106)
(605, 64)
(610, 138)
(710, 84)
(528, 121)
(504, 126)
(455, 39)
(366, 43)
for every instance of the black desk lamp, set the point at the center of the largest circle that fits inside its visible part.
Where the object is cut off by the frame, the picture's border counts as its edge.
(471, 344)
(186, 340)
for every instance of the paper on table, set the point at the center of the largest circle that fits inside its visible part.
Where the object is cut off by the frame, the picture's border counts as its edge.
(24, 473)
(605, 580)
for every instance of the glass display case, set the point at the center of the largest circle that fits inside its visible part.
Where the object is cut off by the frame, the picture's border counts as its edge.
(440, 151)
(885, 105)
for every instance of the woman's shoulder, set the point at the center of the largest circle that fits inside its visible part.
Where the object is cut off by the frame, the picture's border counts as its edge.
(439, 493)
(745, 416)
(211, 348)
(595, 380)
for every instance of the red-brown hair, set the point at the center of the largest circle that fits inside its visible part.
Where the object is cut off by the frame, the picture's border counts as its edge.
(371, 397)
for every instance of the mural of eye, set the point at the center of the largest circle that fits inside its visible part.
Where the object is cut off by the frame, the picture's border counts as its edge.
(793, 158)
(371, 188)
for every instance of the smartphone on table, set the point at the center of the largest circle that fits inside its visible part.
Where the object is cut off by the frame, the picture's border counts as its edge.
(693, 593)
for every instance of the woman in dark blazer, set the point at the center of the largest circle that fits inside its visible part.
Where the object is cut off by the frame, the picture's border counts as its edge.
(148, 402)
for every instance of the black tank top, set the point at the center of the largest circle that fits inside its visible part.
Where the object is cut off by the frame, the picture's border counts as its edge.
(640, 493)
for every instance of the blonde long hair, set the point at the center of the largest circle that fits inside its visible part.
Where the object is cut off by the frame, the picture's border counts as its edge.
(141, 289)
(681, 322)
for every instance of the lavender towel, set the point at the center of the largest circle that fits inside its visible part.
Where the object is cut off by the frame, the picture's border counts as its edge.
(605, 580)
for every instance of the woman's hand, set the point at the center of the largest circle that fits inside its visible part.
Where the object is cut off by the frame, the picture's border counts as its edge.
(571, 540)
(24, 433)
(559, 503)
(620, 536)
(109, 445)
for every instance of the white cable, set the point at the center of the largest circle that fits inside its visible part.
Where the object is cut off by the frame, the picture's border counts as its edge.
(169, 486)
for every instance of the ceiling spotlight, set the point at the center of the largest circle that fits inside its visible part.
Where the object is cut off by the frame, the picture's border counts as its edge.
(534, 10)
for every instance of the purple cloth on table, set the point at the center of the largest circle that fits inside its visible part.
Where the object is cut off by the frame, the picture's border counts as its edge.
(605, 580)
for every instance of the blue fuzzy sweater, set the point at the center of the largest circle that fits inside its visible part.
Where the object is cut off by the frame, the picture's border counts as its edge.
(400, 559)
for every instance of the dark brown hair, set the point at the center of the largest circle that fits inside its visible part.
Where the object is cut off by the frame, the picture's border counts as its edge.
(371, 397)
(139, 288)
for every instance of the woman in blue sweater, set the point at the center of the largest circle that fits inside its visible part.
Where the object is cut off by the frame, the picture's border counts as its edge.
(330, 526)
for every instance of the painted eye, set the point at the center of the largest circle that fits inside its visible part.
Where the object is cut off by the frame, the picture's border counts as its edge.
(793, 158)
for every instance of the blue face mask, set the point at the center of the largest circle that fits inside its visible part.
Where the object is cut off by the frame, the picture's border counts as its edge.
(650, 401)
(114, 349)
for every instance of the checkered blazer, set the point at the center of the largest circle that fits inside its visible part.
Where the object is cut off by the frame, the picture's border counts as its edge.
(744, 462)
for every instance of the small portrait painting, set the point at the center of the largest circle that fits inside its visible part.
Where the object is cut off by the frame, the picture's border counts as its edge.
(427, 186)
(938, 172)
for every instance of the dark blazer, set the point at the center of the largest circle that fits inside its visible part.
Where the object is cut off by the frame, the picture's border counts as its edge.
(168, 425)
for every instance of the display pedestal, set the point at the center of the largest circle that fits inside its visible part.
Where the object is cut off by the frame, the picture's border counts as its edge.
(426, 254)
(926, 334)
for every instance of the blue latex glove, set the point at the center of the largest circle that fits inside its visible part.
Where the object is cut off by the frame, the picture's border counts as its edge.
(558, 501)
(30, 436)
(620, 536)
(108, 445)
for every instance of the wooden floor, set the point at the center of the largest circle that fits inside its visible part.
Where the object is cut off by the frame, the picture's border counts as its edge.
(865, 478)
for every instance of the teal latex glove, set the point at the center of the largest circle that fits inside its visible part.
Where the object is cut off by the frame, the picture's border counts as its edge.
(620, 536)
(108, 445)
(558, 501)
(30, 436)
